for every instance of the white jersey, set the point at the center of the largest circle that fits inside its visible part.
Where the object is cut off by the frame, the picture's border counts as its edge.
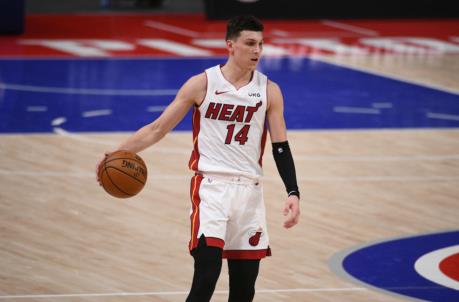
(229, 131)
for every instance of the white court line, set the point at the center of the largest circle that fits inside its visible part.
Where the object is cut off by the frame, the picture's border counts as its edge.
(351, 28)
(36, 109)
(382, 105)
(325, 179)
(442, 116)
(371, 179)
(95, 113)
(172, 29)
(280, 33)
(218, 292)
(82, 138)
(330, 158)
(58, 121)
(156, 108)
(89, 91)
(174, 47)
(173, 293)
(357, 110)
(378, 158)
(73, 174)
(298, 157)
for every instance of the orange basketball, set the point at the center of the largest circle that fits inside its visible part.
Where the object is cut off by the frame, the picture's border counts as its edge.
(123, 174)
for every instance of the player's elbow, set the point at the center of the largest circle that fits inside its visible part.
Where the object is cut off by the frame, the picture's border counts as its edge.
(156, 131)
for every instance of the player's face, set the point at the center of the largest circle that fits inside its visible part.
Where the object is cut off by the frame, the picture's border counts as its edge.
(247, 48)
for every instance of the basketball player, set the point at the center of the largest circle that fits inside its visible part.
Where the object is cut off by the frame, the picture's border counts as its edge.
(233, 106)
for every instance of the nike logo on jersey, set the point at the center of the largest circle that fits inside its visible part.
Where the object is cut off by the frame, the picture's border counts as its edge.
(231, 113)
(220, 92)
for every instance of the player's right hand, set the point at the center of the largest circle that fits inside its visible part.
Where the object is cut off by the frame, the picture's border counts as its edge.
(291, 211)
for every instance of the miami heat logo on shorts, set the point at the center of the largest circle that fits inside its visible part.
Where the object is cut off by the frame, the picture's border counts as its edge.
(255, 236)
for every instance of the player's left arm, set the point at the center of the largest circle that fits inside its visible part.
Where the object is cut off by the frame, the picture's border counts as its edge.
(282, 154)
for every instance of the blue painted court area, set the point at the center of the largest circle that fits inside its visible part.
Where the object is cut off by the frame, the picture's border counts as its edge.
(390, 266)
(93, 95)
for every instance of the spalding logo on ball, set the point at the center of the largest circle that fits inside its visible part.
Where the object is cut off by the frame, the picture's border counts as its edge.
(123, 174)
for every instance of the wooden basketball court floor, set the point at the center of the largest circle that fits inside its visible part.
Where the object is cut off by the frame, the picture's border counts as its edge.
(64, 239)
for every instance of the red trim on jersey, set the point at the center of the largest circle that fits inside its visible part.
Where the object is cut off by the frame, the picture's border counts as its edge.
(262, 146)
(247, 254)
(215, 242)
(205, 94)
(194, 158)
(195, 200)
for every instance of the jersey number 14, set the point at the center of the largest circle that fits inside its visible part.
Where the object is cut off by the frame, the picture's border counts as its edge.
(241, 136)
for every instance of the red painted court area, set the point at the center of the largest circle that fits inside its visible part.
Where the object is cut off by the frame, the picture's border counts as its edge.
(103, 35)
(450, 266)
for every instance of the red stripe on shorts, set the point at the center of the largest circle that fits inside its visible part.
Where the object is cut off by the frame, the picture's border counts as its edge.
(195, 200)
(215, 242)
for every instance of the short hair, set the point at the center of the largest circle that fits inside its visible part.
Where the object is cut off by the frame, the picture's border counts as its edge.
(239, 23)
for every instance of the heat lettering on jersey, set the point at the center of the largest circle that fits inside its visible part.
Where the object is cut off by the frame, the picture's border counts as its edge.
(231, 113)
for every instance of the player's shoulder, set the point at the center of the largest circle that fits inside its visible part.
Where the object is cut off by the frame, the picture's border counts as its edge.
(273, 87)
(194, 88)
(198, 80)
(196, 83)
(274, 95)
(272, 83)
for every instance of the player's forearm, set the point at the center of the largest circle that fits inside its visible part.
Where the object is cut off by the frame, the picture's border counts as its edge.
(143, 138)
(286, 167)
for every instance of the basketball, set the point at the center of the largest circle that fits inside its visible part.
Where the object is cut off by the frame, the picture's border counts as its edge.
(123, 174)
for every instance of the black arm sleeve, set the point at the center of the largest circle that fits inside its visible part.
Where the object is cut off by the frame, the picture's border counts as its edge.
(286, 167)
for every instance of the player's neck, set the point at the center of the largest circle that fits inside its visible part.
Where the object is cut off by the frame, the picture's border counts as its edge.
(236, 75)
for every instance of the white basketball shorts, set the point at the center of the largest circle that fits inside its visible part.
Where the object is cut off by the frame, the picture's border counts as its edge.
(230, 212)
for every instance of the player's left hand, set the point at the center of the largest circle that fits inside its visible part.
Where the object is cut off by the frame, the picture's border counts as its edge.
(291, 211)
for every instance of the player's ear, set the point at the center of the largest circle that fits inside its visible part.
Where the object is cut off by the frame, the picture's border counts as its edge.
(229, 46)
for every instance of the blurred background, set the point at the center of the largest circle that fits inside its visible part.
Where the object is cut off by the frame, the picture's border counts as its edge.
(12, 12)
(371, 92)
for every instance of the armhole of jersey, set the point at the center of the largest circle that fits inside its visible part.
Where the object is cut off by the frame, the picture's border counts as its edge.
(266, 94)
(205, 94)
